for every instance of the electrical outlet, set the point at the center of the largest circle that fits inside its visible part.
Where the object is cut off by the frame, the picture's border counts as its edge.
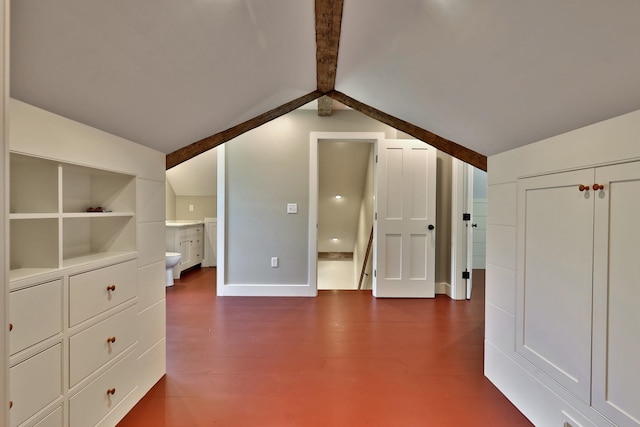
(274, 262)
(190, 208)
(292, 208)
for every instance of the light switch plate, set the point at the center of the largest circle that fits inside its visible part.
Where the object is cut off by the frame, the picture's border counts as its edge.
(292, 208)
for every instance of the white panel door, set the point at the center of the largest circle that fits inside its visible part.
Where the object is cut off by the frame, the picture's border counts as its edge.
(554, 282)
(616, 321)
(404, 232)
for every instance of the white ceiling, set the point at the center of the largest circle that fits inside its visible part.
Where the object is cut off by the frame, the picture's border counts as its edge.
(490, 75)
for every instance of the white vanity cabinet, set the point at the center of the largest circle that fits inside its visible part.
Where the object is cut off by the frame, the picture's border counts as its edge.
(188, 240)
(73, 292)
(577, 291)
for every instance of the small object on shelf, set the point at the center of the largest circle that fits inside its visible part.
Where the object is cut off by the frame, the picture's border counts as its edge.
(98, 209)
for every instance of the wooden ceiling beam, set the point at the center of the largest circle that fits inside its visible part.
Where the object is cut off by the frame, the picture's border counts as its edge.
(458, 151)
(328, 23)
(325, 106)
(185, 153)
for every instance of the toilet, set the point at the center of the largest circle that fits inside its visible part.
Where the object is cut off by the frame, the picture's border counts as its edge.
(171, 260)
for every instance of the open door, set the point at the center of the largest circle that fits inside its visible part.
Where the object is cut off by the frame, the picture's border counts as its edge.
(404, 230)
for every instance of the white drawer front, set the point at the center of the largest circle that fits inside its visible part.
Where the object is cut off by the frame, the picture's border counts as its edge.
(95, 346)
(94, 401)
(34, 383)
(35, 314)
(54, 419)
(90, 294)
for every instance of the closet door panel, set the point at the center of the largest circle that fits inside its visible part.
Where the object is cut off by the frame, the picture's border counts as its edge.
(616, 365)
(554, 282)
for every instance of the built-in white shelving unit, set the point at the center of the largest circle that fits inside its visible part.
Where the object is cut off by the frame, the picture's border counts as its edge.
(50, 225)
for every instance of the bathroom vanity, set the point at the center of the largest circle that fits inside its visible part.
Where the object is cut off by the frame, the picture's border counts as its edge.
(186, 238)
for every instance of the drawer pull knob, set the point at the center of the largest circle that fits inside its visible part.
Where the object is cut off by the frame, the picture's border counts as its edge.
(111, 340)
(10, 327)
(597, 187)
(10, 404)
(583, 187)
(111, 287)
(111, 391)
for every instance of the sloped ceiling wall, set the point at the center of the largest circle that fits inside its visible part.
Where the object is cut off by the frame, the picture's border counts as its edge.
(490, 75)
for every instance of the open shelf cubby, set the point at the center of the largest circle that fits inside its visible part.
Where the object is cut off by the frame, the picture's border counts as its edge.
(52, 225)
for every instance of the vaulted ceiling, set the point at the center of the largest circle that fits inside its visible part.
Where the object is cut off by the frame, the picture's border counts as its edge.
(472, 78)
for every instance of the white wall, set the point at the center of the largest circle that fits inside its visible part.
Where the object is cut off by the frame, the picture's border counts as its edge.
(542, 400)
(203, 207)
(443, 223)
(267, 168)
(170, 202)
(336, 274)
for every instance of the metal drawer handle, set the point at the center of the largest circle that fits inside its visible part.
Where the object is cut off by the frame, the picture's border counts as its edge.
(111, 391)
(111, 288)
(597, 187)
(10, 404)
(111, 340)
(583, 187)
(10, 327)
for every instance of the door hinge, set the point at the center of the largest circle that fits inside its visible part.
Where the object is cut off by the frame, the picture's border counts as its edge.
(376, 158)
(466, 274)
(466, 217)
(375, 272)
(376, 216)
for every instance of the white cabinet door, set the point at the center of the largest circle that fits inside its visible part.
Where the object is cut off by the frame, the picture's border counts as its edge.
(404, 255)
(210, 242)
(184, 247)
(616, 314)
(554, 282)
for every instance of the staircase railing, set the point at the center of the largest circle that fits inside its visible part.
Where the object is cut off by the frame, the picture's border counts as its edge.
(366, 258)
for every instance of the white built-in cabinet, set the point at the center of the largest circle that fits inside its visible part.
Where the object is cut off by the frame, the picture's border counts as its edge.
(577, 315)
(73, 292)
(188, 240)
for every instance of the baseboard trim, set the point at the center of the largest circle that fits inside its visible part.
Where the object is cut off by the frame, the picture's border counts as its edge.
(275, 290)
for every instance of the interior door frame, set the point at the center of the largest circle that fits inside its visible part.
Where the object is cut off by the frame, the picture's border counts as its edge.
(314, 139)
(461, 230)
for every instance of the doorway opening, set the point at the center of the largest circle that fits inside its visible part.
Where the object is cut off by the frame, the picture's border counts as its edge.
(342, 182)
(345, 214)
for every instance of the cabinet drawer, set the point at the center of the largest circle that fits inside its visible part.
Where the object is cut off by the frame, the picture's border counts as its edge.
(35, 383)
(35, 314)
(54, 419)
(94, 401)
(90, 294)
(92, 348)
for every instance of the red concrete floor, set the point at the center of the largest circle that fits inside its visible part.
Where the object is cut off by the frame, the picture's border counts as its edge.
(341, 359)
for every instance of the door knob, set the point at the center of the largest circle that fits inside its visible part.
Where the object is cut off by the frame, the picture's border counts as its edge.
(431, 227)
